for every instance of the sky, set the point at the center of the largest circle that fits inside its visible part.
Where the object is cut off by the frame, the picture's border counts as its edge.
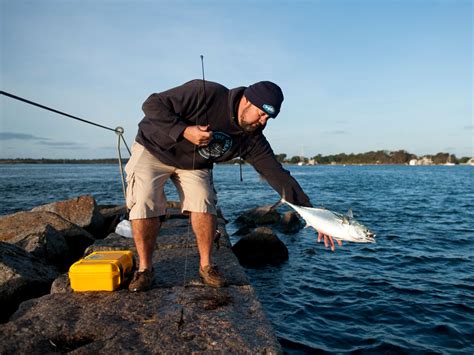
(357, 75)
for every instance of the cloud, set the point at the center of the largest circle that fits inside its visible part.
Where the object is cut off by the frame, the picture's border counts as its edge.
(63, 145)
(8, 136)
(469, 127)
(5, 136)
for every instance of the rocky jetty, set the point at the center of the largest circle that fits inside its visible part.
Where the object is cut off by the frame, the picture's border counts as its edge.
(178, 315)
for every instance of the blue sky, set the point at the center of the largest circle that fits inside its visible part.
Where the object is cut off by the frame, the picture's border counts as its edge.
(357, 75)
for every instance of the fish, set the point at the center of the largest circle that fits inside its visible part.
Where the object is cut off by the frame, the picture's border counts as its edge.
(340, 227)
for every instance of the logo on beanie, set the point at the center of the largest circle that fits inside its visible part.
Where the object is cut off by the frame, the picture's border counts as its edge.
(268, 109)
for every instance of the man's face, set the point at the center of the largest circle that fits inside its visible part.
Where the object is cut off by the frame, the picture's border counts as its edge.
(252, 118)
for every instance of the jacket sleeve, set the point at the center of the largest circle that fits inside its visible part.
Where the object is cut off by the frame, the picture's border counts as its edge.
(263, 159)
(169, 111)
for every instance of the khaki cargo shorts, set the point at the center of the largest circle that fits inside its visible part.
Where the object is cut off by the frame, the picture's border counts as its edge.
(146, 177)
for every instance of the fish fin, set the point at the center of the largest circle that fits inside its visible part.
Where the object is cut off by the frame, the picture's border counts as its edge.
(349, 213)
(345, 220)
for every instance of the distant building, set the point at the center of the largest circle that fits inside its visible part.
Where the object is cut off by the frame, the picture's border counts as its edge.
(421, 161)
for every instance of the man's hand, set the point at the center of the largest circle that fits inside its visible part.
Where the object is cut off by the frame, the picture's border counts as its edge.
(328, 240)
(198, 135)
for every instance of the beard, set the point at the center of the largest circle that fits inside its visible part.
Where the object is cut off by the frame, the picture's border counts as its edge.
(248, 127)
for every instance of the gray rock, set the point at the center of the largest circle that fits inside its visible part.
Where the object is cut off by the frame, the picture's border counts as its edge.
(112, 242)
(112, 215)
(48, 245)
(82, 211)
(22, 276)
(20, 225)
(261, 247)
(180, 267)
(290, 223)
(258, 216)
(162, 320)
(61, 284)
(245, 230)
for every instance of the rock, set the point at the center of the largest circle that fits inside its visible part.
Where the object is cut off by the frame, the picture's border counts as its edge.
(290, 223)
(82, 211)
(48, 245)
(22, 224)
(247, 229)
(260, 215)
(61, 284)
(22, 276)
(261, 247)
(226, 320)
(112, 242)
(112, 215)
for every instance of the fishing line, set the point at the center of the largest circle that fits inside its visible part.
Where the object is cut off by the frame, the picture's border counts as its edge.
(118, 130)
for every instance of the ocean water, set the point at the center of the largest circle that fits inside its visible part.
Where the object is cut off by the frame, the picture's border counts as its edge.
(411, 292)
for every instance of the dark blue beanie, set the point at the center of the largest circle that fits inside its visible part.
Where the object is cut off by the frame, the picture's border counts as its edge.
(266, 95)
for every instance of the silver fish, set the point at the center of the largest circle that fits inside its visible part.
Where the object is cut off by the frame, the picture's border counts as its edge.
(340, 227)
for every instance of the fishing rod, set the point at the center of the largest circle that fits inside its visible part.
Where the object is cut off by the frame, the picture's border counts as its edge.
(181, 322)
(204, 90)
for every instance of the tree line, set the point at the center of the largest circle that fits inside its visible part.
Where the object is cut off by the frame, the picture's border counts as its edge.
(372, 157)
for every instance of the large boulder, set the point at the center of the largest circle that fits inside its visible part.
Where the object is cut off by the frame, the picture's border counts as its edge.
(47, 244)
(290, 223)
(261, 247)
(22, 276)
(21, 226)
(82, 211)
(259, 216)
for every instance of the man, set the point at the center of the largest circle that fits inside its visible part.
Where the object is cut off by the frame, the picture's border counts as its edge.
(184, 132)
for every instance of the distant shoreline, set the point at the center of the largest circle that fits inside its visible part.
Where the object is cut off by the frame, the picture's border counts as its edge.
(61, 161)
(124, 161)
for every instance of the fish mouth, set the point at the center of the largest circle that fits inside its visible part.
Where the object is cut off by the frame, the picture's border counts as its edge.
(371, 237)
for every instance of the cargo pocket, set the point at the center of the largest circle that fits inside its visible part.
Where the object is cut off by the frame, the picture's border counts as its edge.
(131, 200)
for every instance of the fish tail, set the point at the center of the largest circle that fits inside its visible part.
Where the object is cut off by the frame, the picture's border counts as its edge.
(281, 202)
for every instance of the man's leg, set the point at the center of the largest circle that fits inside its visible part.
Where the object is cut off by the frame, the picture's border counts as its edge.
(204, 226)
(144, 234)
(198, 197)
(146, 176)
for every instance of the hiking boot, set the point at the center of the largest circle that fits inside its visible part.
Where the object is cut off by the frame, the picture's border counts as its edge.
(141, 281)
(211, 276)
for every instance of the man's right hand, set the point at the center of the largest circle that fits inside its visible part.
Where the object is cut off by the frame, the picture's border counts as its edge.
(198, 135)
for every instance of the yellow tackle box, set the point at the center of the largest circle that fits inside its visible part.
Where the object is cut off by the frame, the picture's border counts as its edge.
(101, 270)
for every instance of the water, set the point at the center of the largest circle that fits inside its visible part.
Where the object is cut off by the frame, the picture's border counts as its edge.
(411, 292)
